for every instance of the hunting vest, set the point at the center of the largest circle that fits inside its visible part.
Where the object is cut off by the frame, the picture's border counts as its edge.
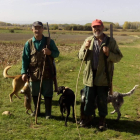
(38, 60)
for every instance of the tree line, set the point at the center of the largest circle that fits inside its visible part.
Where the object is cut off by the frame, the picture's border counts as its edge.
(78, 27)
(131, 25)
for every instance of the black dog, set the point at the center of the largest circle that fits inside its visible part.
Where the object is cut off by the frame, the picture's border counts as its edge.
(66, 100)
(82, 115)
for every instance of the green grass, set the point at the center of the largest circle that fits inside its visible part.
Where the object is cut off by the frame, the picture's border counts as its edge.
(64, 37)
(22, 126)
(15, 31)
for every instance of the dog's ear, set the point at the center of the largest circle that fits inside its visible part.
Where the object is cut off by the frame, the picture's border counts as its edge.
(63, 88)
(82, 91)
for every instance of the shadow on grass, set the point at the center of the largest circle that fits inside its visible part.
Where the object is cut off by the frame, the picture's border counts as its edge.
(59, 118)
(124, 126)
(121, 125)
(55, 102)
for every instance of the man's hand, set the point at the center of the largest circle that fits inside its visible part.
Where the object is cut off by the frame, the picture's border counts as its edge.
(106, 50)
(24, 77)
(46, 51)
(87, 45)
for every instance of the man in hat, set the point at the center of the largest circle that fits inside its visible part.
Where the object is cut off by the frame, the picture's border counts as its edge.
(94, 51)
(32, 62)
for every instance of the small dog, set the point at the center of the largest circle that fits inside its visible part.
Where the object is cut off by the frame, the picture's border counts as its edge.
(27, 97)
(116, 99)
(66, 100)
(17, 83)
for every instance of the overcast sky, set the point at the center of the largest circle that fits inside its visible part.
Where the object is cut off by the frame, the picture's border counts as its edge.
(69, 11)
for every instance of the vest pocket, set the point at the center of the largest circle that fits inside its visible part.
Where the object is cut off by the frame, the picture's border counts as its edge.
(33, 67)
(34, 72)
(35, 75)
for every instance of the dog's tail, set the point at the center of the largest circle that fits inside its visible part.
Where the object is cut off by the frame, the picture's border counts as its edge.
(5, 73)
(130, 92)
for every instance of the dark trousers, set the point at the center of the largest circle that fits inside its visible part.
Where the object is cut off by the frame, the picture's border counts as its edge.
(96, 95)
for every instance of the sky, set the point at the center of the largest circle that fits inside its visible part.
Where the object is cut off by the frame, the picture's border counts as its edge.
(69, 11)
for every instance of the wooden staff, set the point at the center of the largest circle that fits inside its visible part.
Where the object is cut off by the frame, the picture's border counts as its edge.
(54, 79)
(111, 84)
(41, 84)
(111, 30)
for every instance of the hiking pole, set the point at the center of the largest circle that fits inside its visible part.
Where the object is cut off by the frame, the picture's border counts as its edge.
(41, 84)
(111, 84)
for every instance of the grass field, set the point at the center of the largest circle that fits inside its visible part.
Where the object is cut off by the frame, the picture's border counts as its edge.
(62, 37)
(22, 126)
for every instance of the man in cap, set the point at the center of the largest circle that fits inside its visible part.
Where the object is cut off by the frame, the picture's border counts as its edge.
(94, 51)
(32, 62)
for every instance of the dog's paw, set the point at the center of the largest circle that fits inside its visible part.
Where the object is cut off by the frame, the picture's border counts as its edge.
(136, 86)
(78, 122)
(11, 101)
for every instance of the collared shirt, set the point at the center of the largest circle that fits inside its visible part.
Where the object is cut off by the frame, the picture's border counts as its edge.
(39, 45)
(96, 51)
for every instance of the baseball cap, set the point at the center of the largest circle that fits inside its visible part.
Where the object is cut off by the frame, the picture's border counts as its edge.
(96, 22)
(37, 23)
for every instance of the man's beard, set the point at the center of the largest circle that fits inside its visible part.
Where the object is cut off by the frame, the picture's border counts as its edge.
(98, 34)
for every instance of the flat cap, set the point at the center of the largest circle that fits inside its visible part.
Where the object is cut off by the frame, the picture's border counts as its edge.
(37, 23)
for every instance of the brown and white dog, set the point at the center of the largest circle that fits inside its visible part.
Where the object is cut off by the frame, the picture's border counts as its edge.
(17, 83)
(27, 97)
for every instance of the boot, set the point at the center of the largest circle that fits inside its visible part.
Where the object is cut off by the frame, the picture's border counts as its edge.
(48, 106)
(35, 100)
(102, 124)
(86, 121)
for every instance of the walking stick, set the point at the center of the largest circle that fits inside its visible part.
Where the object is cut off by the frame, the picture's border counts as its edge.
(111, 85)
(76, 92)
(41, 82)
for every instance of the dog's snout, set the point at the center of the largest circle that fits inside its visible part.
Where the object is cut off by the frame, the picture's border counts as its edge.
(22, 91)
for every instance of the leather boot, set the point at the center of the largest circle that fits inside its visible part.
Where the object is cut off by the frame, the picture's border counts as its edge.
(48, 106)
(102, 124)
(35, 100)
(86, 121)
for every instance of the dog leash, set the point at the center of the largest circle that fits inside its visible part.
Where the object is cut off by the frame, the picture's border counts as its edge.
(76, 92)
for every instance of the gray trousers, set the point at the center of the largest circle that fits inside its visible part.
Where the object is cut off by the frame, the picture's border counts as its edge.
(96, 95)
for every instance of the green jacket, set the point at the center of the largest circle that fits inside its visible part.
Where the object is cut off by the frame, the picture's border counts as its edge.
(39, 45)
(115, 55)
